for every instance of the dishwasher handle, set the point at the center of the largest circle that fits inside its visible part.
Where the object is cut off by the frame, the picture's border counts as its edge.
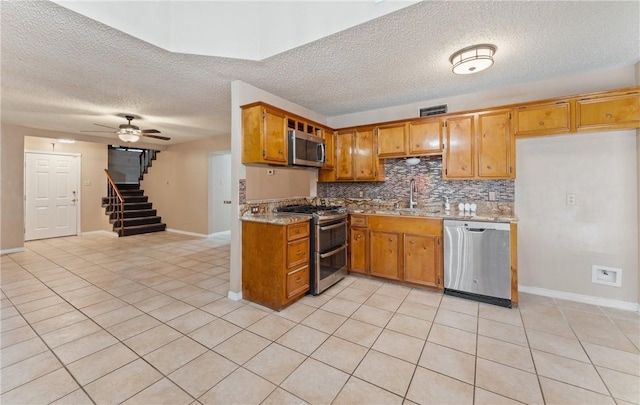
(476, 230)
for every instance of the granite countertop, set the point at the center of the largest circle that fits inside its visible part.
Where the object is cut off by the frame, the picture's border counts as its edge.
(276, 218)
(481, 215)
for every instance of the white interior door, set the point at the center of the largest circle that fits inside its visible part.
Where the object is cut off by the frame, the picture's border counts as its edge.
(219, 192)
(51, 195)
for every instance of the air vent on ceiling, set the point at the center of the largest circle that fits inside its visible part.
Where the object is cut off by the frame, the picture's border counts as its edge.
(433, 110)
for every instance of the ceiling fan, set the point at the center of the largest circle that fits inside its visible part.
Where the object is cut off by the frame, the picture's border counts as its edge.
(131, 133)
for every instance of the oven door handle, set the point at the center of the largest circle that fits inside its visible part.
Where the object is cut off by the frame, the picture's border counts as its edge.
(333, 252)
(334, 226)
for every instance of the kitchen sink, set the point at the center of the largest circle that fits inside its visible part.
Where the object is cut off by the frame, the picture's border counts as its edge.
(420, 210)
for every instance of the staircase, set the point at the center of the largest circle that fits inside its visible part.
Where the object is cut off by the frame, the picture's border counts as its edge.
(138, 216)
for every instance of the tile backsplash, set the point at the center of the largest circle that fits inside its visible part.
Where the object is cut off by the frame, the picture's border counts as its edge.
(431, 186)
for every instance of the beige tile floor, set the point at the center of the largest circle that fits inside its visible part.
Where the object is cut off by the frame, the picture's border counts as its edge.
(145, 319)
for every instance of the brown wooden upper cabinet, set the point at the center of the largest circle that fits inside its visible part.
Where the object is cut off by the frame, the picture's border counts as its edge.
(355, 157)
(365, 162)
(614, 111)
(264, 138)
(479, 146)
(543, 119)
(392, 140)
(459, 155)
(329, 138)
(425, 137)
(496, 147)
(344, 155)
(413, 138)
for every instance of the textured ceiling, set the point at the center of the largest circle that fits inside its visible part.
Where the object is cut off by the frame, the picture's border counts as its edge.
(62, 71)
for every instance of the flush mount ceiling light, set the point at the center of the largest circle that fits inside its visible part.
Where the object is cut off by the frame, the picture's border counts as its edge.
(473, 59)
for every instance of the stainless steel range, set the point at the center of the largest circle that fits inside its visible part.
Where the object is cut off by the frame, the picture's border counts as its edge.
(328, 244)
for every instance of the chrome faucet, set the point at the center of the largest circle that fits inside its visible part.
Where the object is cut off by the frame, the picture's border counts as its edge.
(412, 189)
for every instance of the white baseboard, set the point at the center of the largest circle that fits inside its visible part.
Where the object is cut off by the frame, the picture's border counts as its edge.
(234, 296)
(199, 235)
(217, 234)
(587, 299)
(13, 250)
(107, 233)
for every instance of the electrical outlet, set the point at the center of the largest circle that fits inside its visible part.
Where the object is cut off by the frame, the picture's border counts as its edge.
(255, 209)
(492, 196)
(360, 194)
(271, 172)
(571, 199)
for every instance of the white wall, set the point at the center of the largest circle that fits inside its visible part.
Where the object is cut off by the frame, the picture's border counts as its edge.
(558, 243)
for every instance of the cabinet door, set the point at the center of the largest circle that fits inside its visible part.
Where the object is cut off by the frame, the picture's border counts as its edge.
(383, 254)
(329, 150)
(365, 159)
(274, 147)
(425, 137)
(344, 156)
(494, 145)
(543, 119)
(460, 147)
(422, 255)
(620, 111)
(358, 246)
(392, 140)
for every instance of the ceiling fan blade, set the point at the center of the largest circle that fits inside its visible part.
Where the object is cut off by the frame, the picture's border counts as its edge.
(164, 138)
(111, 132)
(150, 131)
(104, 126)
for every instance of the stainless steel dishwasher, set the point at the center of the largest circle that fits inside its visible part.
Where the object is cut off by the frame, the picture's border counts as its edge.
(477, 261)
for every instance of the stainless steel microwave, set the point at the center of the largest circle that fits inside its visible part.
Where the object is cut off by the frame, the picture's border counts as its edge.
(306, 149)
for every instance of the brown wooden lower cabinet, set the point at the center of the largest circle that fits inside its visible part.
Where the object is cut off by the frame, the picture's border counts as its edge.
(384, 250)
(405, 249)
(275, 263)
(423, 259)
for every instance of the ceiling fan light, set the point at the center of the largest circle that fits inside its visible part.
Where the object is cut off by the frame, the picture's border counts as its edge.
(473, 59)
(128, 137)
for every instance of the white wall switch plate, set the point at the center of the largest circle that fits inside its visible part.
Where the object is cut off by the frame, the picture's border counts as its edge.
(271, 172)
(492, 195)
(87, 182)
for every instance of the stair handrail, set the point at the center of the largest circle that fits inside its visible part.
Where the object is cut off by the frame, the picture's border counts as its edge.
(116, 202)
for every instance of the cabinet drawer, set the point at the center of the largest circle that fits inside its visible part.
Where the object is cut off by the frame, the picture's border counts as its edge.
(296, 231)
(298, 252)
(543, 119)
(297, 281)
(359, 220)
